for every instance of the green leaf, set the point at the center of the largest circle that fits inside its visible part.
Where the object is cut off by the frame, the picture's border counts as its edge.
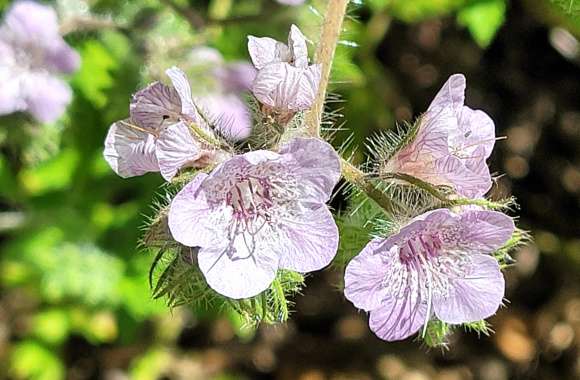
(33, 361)
(54, 174)
(151, 365)
(51, 326)
(418, 10)
(483, 18)
(83, 273)
(94, 77)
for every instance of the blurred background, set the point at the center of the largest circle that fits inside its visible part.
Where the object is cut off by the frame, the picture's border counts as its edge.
(74, 296)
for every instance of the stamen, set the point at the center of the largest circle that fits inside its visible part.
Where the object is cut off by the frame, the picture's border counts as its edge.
(133, 126)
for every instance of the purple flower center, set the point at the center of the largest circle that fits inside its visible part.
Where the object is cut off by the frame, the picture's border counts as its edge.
(424, 246)
(250, 198)
(259, 196)
(428, 263)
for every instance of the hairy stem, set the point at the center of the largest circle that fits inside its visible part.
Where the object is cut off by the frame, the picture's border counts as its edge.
(450, 202)
(331, 28)
(358, 178)
(420, 184)
(206, 137)
(329, 35)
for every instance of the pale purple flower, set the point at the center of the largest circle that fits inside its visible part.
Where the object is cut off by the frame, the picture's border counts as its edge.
(451, 146)
(32, 55)
(157, 137)
(224, 103)
(229, 113)
(259, 212)
(439, 265)
(285, 81)
(236, 77)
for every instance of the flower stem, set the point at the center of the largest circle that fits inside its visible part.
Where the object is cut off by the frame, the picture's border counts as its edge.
(357, 177)
(203, 135)
(329, 35)
(331, 28)
(450, 202)
(420, 184)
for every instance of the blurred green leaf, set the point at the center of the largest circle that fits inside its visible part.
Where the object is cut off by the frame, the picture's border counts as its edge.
(417, 10)
(82, 272)
(483, 18)
(54, 174)
(33, 361)
(51, 326)
(151, 365)
(97, 327)
(8, 184)
(94, 77)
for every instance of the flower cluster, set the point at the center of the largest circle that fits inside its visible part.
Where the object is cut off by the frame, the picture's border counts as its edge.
(32, 55)
(160, 135)
(249, 215)
(438, 265)
(254, 213)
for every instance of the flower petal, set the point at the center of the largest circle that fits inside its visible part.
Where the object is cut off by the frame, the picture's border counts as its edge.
(452, 171)
(175, 148)
(318, 167)
(11, 99)
(285, 87)
(451, 95)
(478, 131)
(265, 50)
(298, 48)
(364, 275)
(254, 157)
(62, 57)
(236, 77)
(155, 106)
(181, 85)
(400, 315)
(242, 269)
(474, 297)
(308, 243)
(193, 221)
(229, 114)
(417, 158)
(46, 96)
(485, 231)
(128, 151)
(29, 20)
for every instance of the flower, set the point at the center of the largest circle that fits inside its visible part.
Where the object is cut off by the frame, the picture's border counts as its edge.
(228, 113)
(157, 137)
(437, 264)
(452, 144)
(258, 212)
(32, 54)
(285, 81)
(223, 104)
(235, 77)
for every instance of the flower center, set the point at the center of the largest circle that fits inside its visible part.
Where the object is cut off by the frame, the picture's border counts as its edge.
(250, 198)
(420, 248)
